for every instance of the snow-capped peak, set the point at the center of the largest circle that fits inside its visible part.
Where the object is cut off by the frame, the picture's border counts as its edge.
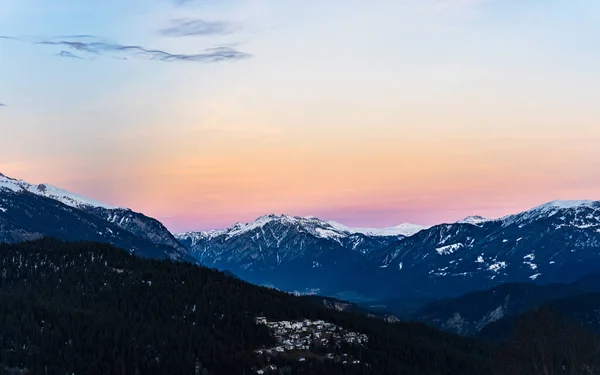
(550, 209)
(474, 220)
(49, 191)
(198, 236)
(240, 228)
(309, 224)
(405, 229)
(560, 204)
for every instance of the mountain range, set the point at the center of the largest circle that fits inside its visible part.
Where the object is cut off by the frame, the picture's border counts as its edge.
(288, 252)
(479, 277)
(557, 242)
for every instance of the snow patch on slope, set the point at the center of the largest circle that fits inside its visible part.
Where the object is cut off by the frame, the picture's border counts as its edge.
(327, 233)
(496, 267)
(449, 249)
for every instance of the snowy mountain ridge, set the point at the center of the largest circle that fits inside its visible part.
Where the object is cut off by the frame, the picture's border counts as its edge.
(133, 222)
(310, 224)
(284, 249)
(555, 242)
(52, 192)
(333, 228)
(558, 241)
(549, 209)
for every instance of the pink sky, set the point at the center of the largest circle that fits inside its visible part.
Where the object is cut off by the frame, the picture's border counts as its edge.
(362, 183)
(409, 111)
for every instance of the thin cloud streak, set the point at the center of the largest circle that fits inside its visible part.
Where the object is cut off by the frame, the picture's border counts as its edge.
(68, 55)
(77, 36)
(216, 54)
(197, 27)
(97, 46)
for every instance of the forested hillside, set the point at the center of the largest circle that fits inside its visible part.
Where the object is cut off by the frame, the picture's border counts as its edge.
(91, 308)
(88, 308)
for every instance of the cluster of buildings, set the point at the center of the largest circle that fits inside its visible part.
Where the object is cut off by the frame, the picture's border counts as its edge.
(299, 337)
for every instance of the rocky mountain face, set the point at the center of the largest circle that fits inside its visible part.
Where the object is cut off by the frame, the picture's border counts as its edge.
(284, 251)
(29, 212)
(138, 224)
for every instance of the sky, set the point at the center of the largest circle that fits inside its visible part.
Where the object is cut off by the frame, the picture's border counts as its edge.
(203, 113)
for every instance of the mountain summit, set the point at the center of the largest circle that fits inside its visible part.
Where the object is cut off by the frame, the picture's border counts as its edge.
(285, 250)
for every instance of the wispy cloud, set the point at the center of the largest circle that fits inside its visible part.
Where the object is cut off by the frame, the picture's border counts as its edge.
(68, 55)
(93, 46)
(2, 105)
(197, 27)
(215, 54)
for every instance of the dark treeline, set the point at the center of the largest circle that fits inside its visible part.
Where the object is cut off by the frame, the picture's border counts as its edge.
(88, 308)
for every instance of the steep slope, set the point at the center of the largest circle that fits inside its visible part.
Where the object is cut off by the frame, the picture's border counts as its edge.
(285, 251)
(136, 223)
(33, 211)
